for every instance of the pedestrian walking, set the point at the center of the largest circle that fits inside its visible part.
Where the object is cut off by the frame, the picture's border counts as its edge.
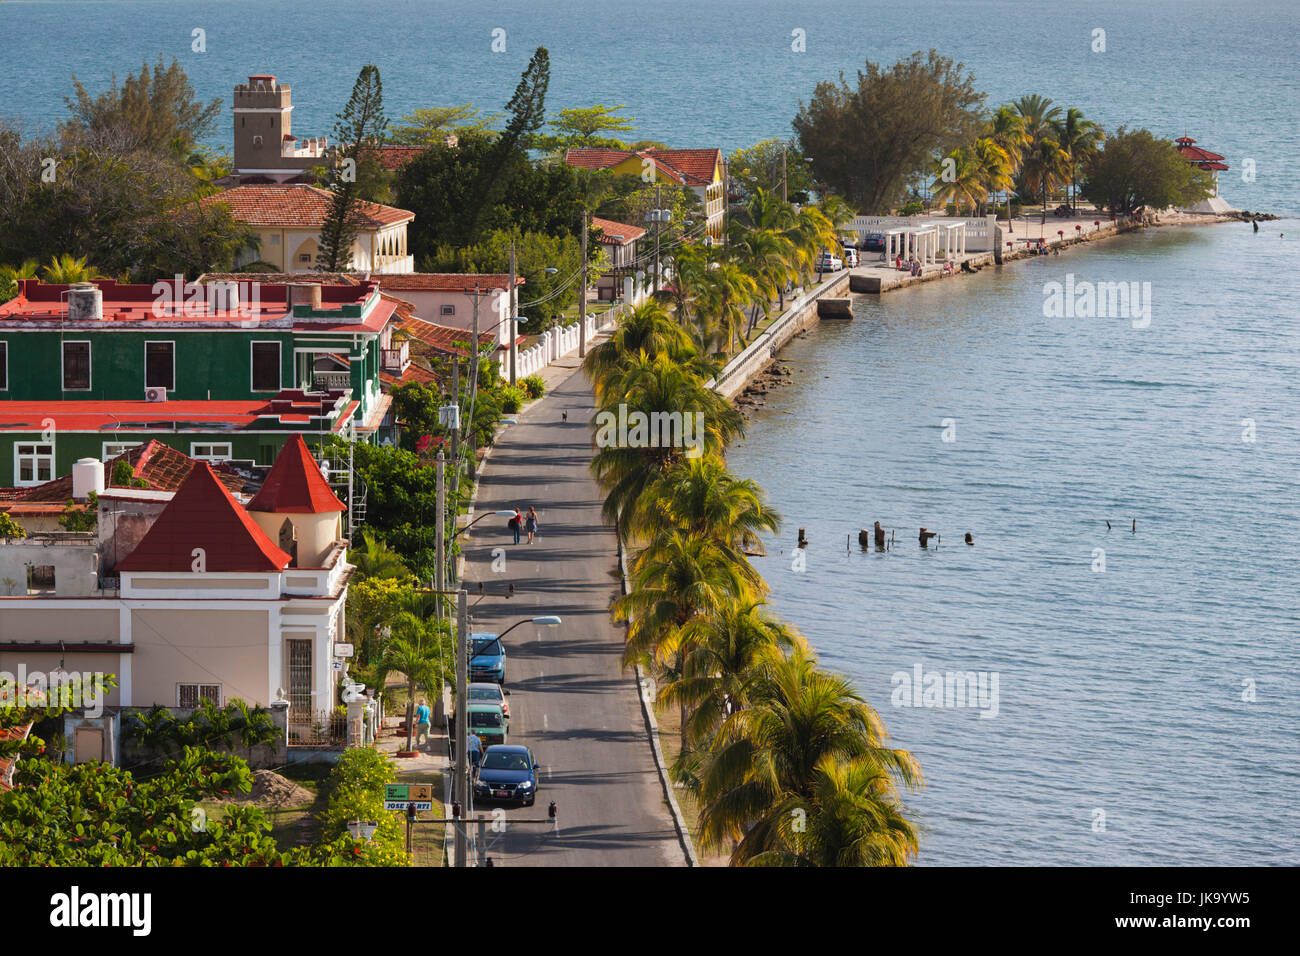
(530, 524)
(422, 723)
(515, 524)
(475, 752)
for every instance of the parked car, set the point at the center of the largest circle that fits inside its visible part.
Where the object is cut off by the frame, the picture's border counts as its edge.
(487, 661)
(491, 693)
(508, 774)
(829, 263)
(487, 721)
(874, 242)
(850, 257)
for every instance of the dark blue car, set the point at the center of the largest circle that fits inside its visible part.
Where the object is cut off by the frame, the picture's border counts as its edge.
(508, 774)
(487, 660)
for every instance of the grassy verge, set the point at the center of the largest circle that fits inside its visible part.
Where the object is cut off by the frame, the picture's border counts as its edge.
(669, 719)
(427, 839)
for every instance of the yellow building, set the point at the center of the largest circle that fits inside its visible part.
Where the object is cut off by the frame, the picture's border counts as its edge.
(700, 170)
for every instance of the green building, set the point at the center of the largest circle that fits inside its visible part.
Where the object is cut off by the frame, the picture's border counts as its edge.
(222, 371)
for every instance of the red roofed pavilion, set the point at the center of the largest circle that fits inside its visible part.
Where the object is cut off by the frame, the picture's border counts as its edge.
(204, 515)
(295, 484)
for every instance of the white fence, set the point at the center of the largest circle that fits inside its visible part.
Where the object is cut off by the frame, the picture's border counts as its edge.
(556, 343)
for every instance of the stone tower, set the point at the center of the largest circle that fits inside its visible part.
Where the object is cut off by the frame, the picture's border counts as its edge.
(265, 147)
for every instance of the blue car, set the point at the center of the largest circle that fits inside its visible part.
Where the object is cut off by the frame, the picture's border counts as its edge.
(487, 658)
(508, 774)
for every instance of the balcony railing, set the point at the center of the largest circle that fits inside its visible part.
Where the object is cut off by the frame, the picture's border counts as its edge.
(397, 359)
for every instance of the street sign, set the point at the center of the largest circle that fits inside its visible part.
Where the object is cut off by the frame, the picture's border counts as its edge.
(397, 796)
(342, 650)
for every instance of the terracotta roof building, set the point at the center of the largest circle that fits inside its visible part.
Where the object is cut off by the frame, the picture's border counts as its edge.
(287, 219)
(700, 170)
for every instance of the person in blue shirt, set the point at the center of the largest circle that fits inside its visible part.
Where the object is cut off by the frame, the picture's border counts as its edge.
(475, 752)
(422, 723)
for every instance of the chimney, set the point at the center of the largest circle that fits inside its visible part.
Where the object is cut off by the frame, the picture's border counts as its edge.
(304, 293)
(85, 302)
(87, 476)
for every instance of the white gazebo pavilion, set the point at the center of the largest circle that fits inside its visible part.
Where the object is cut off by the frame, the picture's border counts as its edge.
(954, 239)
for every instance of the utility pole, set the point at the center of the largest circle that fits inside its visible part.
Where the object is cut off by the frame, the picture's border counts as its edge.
(462, 791)
(440, 536)
(784, 191)
(659, 214)
(582, 293)
(514, 311)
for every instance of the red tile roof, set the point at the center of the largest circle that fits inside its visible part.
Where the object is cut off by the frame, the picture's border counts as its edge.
(296, 206)
(162, 466)
(611, 228)
(691, 167)
(295, 484)
(445, 281)
(393, 158)
(440, 338)
(204, 515)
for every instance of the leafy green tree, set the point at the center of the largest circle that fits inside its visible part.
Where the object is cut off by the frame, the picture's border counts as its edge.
(443, 184)
(1046, 169)
(869, 141)
(126, 210)
(360, 128)
(76, 517)
(10, 528)
(155, 112)
(1135, 169)
(582, 126)
(430, 126)
(769, 165)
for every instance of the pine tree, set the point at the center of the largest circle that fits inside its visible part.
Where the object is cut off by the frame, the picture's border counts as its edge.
(357, 133)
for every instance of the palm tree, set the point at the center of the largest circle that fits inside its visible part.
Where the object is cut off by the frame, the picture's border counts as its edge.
(853, 818)
(416, 649)
(768, 258)
(690, 264)
(1080, 138)
(10, 275)
(647, 328)
(1039, 115)
(966, 187)
(654, 386)
(726, 647)
(1007, 128)
(1046, 169)
(764, 763)
(677, 579)
(727, 290)
(375, 559)
(994, 165)
(66, 269)
(699, 496)
(811, 233)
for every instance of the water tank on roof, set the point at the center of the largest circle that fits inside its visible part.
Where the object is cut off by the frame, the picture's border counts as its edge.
(87, 476)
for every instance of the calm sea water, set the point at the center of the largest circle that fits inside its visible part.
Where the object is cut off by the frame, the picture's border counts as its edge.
(1118, 691)
(718, 73)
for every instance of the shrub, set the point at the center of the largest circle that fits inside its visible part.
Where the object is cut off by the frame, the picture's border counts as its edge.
(357, 793)
(535, 386)
(913, 209)
(10, 528)
(512, 399)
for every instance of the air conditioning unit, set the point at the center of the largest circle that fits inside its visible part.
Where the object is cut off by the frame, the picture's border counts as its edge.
(155, 394)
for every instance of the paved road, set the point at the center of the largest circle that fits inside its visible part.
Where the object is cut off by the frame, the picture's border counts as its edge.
(570, 701)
